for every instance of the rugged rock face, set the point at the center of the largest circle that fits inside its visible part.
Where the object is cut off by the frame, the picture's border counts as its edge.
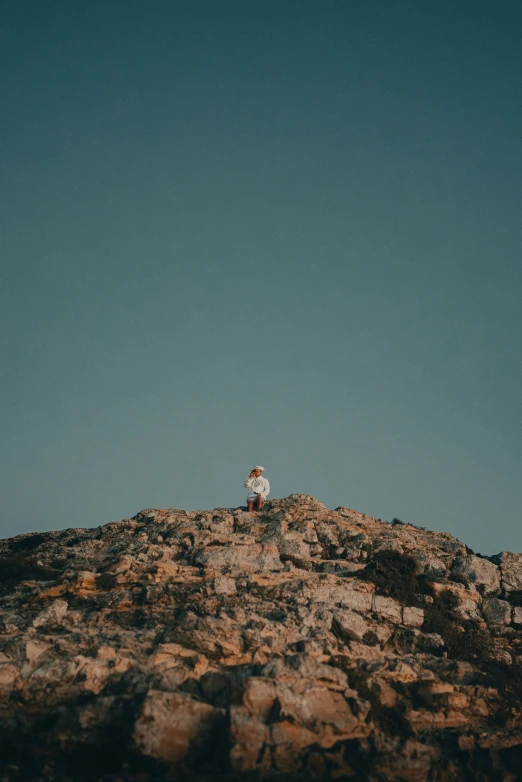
(300, 643)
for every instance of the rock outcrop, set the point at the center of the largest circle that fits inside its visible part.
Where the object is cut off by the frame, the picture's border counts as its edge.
(299, 643)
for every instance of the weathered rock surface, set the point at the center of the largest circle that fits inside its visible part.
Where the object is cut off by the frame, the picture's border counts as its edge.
(300, 643)
(510, 569)
(478, 571)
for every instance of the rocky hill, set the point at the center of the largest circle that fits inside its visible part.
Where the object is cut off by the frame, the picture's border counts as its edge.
(300, 643)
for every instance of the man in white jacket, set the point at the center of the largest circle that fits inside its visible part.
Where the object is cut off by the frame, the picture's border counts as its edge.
(258, 488)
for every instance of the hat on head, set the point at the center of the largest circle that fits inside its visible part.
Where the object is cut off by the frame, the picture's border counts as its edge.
(258, 467)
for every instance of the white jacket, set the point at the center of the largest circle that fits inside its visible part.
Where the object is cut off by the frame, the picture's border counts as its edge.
(257, 486)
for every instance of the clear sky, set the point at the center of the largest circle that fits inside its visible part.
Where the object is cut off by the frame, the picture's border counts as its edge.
(262, 231)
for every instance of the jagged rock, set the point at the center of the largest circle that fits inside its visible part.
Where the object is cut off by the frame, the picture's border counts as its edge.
(511, 570)
(388, 607)
(496, 612)
(173, 724)
(8, 676)
(433, 641)
(242, 559)
(283, 717)
(388, 545)
(428, 564)
(468, 599)
(224, 585)
(180, 645)
(51, 615)
(412, 617)
(34, 649)
(290, 542)
(478, 571)
(351, 624)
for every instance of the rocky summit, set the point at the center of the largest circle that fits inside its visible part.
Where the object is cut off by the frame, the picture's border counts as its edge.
(297, 643)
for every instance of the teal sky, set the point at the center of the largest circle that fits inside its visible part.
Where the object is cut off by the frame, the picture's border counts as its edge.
(280, 232)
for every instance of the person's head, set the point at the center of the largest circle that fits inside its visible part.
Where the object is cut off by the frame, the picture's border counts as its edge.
(257, 471)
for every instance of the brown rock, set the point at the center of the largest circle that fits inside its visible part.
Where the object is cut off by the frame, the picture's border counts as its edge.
(387, 696)
(510, 569)
(8, 676)
(172, 725)
(224, 585)
(243, 559)
(351, 624)
(412, 617)
(290, 543)
(51, 615)
(249, 736)
(468, 599)
(34, 649)
(497, 612)
(478, 571)
(388, 607)
(333, 592)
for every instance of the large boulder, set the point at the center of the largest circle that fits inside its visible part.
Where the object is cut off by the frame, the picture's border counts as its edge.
(290, 543)
(478, 571)
(510, 569)
(171, 725)
(497, 612)
(292, 712)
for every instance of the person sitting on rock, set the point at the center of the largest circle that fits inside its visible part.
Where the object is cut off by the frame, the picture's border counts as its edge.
(258, 489)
